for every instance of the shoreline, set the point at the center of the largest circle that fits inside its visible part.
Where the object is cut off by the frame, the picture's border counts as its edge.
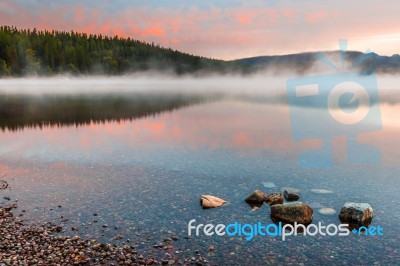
(41, 244)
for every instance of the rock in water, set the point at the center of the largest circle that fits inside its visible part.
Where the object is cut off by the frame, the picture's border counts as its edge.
(321, 191)
(3, 184)
(291, 196)
(327, 211)
(256, 198)
(268, 184)
(274, 198)
(292, 212)
(208, 201)
(356, 214)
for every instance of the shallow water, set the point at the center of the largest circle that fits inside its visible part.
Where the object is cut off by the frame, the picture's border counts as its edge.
(141, 166)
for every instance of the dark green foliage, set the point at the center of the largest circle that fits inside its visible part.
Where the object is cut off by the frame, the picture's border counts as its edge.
(26, 52)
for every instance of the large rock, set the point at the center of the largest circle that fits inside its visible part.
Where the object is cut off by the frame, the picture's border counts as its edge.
(256, 198)
(208, 201)
(356, 214)
(292, 212)
(274, 198)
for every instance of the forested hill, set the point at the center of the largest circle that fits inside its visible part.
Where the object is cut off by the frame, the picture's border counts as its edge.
(33, 52)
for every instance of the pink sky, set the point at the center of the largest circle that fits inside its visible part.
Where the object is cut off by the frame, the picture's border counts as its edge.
(222, 29)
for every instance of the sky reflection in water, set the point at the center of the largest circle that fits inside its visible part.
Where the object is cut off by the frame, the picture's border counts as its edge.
(145, 176)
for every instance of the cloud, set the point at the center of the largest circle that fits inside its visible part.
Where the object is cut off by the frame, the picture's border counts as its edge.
(220, 29)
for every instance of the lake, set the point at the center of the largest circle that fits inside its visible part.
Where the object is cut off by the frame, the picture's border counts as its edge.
(134, 163)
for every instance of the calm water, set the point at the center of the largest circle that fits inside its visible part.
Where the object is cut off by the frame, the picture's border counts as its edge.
(141, 161)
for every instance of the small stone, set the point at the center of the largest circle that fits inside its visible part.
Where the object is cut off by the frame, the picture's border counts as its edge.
(149, 262)
(327, 211)
(256, 198)
(356, 214)
(268, 185)
(321, 191)
(290, 196)
(208, 201)
(3, 184)
(274, 198)
(255, 208)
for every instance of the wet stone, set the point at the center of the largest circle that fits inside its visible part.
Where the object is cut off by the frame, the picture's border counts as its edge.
(274, 198)
(3, 184)
(290, 196)
(256, 198)
(327, 211)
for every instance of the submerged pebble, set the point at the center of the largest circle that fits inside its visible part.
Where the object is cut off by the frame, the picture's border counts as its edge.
(321, 191)
(327, 211)
(268, 185)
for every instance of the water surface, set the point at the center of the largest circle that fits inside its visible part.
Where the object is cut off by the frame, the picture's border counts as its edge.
(141, 161)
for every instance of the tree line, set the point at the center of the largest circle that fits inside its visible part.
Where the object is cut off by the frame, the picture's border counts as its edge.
(34, 52)
(65, 110)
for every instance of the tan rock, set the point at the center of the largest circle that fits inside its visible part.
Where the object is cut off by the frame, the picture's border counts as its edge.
(209, 201)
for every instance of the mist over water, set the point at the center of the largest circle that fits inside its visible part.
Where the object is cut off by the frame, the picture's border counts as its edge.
(270, 87)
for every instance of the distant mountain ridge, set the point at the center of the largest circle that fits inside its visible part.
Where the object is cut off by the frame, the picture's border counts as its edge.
(303, 62)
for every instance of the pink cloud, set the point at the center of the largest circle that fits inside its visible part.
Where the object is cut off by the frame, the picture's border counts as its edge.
(315, 17)
(229, 32)
(154, 31)
(245, 17)
(79, 13)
